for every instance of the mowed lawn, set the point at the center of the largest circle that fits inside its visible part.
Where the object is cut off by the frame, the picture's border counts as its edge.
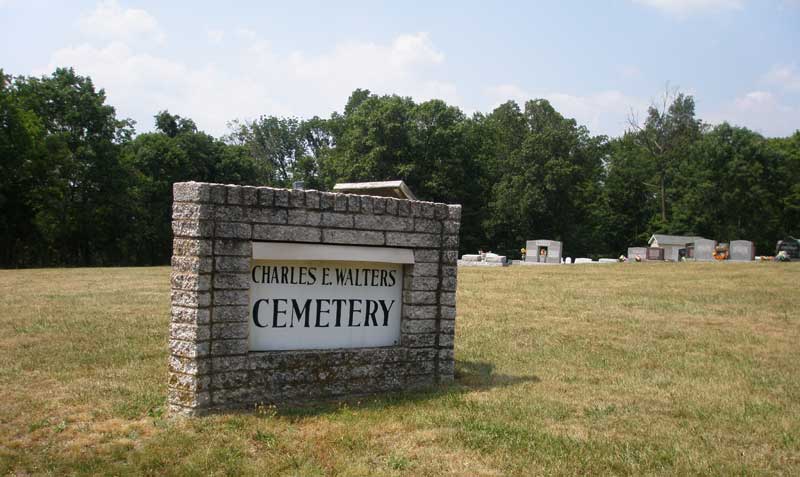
(595, 369)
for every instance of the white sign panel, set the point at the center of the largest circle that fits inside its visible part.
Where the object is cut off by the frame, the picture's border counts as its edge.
(299, 304)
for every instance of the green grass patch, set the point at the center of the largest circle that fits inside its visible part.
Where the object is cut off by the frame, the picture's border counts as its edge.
(630, 369)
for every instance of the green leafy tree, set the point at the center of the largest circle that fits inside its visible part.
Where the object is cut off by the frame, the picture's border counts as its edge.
(668, 131)
(548, 179)
(79, 201)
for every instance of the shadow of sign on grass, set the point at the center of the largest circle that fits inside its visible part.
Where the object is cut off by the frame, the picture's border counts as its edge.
(481, 375)
(469, 376)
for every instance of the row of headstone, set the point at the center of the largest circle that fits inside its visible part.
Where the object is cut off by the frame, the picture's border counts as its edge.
(701, 250)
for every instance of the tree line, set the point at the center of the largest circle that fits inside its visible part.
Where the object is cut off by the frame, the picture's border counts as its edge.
(79, 187)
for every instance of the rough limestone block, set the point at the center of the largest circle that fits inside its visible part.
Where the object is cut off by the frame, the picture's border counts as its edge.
(287, 233)
(229, 380)
(441, 211)
(419, 298)
(234, 194)
(249, 195)
(228, 347)
(404, 208)
(352, 237)
(297, 198)
(219, 194)
(193, 228)
(281, 198)
(426, 270)
(391, 206)
(421, 283)
(191, 211)
(233, 230)
(192, 264)
(241, 248)
(447, 298)
(340, 202)
(447, 327)
(230, 313)
(232, 264)
(422, 255)
(425, 340)
(267, 216)
(383, 222)
(231, 297)
(379, 205)
(189, 331)
(190, 281)
(367, 204)
(197, 299)
(227, 331)
(230, 213)
(418, 312)
(191, 192)
(405, 239)
(312, 199)
(447, 312)
(189, 382)
(326, 200)
(188, 349)
(449, 257)
(179, 364)
(304, 217)
(199, 316)
(427, 210)
(451, 227)
(232, 281)
(265, 196)
(230, 363)
(427, 226)
(337, 220)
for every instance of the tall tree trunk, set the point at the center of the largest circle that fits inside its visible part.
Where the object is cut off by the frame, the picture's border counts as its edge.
(663, 201)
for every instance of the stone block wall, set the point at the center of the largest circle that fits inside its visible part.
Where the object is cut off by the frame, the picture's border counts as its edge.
(214, 227)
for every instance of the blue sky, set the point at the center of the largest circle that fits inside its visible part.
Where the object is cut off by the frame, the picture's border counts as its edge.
(596, 61)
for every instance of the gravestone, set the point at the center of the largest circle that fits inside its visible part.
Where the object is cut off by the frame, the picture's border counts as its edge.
(543, 251)
(289, 296)
(634, 252)
(704, 250)
(654, 253)
(742, 251)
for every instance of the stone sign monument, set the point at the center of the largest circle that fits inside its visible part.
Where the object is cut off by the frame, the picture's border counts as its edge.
(289, 296)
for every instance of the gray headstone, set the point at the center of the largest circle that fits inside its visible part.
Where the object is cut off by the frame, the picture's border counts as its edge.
(704, 250)
(742, 251)
(634, 252)
(551, 248)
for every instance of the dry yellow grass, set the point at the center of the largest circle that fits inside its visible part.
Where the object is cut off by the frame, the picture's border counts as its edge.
(620, 369)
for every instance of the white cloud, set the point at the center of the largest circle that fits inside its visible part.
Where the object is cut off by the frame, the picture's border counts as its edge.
(110, 21)
(762, 111)
(256, 80)
(784, 76)
(687, 7)
(215, 36)
(604, 112)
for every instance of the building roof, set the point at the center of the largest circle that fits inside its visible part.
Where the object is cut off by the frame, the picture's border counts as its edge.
(396, 189)
(673, 239)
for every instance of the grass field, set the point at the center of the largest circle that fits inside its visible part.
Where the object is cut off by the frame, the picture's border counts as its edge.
(617, 369)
